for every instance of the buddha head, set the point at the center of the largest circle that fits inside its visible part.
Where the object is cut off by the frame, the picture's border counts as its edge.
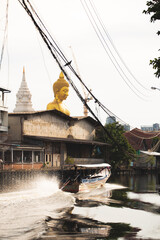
(61, 88)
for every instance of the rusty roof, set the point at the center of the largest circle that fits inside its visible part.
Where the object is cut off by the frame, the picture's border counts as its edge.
(54, 111)
(141, 140)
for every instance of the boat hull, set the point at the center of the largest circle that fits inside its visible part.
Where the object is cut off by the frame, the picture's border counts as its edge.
(93, 184)
(71, 187)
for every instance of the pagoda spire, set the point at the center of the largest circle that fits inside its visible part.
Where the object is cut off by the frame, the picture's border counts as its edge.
(24, 78)
(23, 96)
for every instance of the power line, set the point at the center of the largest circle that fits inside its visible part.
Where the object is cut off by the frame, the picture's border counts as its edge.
(44, 61)
(49, 45)
(5, 34)
(56, 48)
(57, 54)
(112, 43)
(108, 50)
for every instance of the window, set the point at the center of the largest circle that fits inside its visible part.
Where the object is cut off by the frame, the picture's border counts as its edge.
(17, 156)
(57, 148)
(37, 156)
(7, 156)
(0, 117)
(27, 156)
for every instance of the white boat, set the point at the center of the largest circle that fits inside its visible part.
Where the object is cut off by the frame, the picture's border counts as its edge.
(98, 179)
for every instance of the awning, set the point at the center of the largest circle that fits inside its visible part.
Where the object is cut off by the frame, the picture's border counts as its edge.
(66, 140)
(151, 153)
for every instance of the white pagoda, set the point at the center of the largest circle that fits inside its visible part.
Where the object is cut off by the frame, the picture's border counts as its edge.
(23, 103)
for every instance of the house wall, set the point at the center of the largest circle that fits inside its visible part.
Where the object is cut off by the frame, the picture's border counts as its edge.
(3, 117)
(82, 129)
(50, 124)
(3, 124)
(14, 128)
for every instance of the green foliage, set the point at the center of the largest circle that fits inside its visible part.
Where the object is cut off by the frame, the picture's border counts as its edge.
(156, 65)
(154, 9)
(151, 159)
(69, 160)
(120, 151)
(155, 141)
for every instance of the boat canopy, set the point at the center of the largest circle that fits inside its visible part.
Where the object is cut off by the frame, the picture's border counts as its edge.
(101, 165)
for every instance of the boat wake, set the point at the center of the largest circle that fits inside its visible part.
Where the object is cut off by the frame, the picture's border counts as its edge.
(23, 213)
(99, 195)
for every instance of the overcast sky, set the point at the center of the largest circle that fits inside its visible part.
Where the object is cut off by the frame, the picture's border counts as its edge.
(132, 33)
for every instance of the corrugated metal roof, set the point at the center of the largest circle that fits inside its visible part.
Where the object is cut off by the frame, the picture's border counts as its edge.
(39, 112)
(54, 111)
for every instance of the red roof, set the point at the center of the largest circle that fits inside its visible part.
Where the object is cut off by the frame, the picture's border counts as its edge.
(141, 140)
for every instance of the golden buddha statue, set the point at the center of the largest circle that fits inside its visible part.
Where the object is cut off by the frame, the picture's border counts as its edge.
(60, 89)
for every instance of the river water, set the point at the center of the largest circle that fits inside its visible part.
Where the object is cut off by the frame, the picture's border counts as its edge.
(127, 207)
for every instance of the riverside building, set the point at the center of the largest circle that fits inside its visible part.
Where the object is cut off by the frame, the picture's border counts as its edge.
(49, 138)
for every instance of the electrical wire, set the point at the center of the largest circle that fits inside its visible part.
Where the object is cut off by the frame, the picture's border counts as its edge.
(5, 34)
(53, 52)
(56, 48)
(58, 52)
(113, 45)
(44, 62)
(109, 52)
(49, 45)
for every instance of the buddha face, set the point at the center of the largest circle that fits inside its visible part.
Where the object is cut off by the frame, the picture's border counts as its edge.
(63, 93)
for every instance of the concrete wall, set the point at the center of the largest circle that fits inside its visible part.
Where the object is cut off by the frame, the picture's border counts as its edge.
(45, 125)
(50, 125)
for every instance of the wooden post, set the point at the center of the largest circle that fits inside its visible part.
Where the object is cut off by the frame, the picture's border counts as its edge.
(22, 159)
(12, 157)
(32, 159)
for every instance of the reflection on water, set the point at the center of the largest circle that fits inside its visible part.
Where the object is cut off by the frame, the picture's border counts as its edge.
(139, 183)
(150, 198)
(127, 210)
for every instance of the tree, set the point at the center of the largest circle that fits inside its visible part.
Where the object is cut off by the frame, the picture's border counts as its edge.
(120, 151)
(154, 9)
